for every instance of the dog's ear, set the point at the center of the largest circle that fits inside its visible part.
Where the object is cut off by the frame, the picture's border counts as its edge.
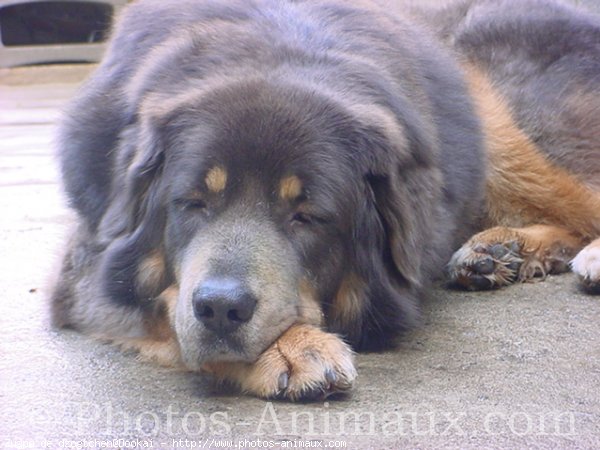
(133, 268)
(405, 204)
(402, 189)
(406, 182)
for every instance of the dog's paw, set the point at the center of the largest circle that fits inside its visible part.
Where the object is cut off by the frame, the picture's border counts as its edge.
(501, 256)
(305, 363)
(587, 265)
(478, 266)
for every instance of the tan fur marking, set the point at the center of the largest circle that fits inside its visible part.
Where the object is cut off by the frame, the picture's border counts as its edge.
(538, 240)
(290, 188)
(216, 179)
(160, 345)
(151, 272)
(348, 303)
(163, 353)
(523, 187)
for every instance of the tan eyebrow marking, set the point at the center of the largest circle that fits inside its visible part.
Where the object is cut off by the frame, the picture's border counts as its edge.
(290, 188)
(216, 179)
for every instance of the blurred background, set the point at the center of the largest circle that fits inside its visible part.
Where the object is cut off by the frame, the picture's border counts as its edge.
(35, 32)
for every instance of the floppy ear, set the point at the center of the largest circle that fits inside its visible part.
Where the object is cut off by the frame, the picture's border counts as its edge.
(394, 227)
(406, 203)
(133, 268)
(406, 182)
(377, 298)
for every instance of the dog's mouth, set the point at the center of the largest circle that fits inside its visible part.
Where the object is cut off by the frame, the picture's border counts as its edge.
(242, 346)
(226, 349)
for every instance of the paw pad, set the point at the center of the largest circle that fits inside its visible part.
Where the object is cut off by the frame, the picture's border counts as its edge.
(481, 266)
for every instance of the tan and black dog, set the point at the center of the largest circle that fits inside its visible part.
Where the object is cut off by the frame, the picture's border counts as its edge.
(264, 186)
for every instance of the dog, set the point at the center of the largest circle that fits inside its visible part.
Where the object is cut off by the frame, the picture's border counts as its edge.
(264, 187)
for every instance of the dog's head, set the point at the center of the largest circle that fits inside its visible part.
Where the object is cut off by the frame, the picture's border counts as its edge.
(268, 205)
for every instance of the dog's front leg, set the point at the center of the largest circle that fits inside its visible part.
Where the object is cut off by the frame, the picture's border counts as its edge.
(304, 363)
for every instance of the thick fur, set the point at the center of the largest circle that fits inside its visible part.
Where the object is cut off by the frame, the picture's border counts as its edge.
(533, 68)
(328, 156)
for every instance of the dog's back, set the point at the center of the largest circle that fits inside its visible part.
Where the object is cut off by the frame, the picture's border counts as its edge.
(544, 58)
(533, 67)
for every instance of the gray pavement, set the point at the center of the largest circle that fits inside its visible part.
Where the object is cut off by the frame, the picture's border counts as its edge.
(517, 368)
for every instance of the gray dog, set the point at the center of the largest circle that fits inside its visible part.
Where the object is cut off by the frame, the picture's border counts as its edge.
(264, 185)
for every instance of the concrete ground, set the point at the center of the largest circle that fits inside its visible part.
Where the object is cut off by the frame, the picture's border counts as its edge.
(516, 368)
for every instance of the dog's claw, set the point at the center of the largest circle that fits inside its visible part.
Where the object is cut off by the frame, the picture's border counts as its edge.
(321, 391)
(330, 376)
(283, 381)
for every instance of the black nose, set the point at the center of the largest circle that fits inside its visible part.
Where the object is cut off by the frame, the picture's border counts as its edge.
(223, 304)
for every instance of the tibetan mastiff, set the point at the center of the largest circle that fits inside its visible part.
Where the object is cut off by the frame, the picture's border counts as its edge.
(265, 186)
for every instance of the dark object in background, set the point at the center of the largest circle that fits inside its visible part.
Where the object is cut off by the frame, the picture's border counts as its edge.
(43, 23)
(39, 32)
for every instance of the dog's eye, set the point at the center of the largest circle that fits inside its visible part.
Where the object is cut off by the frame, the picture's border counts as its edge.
(303, 219)
(190, 204)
